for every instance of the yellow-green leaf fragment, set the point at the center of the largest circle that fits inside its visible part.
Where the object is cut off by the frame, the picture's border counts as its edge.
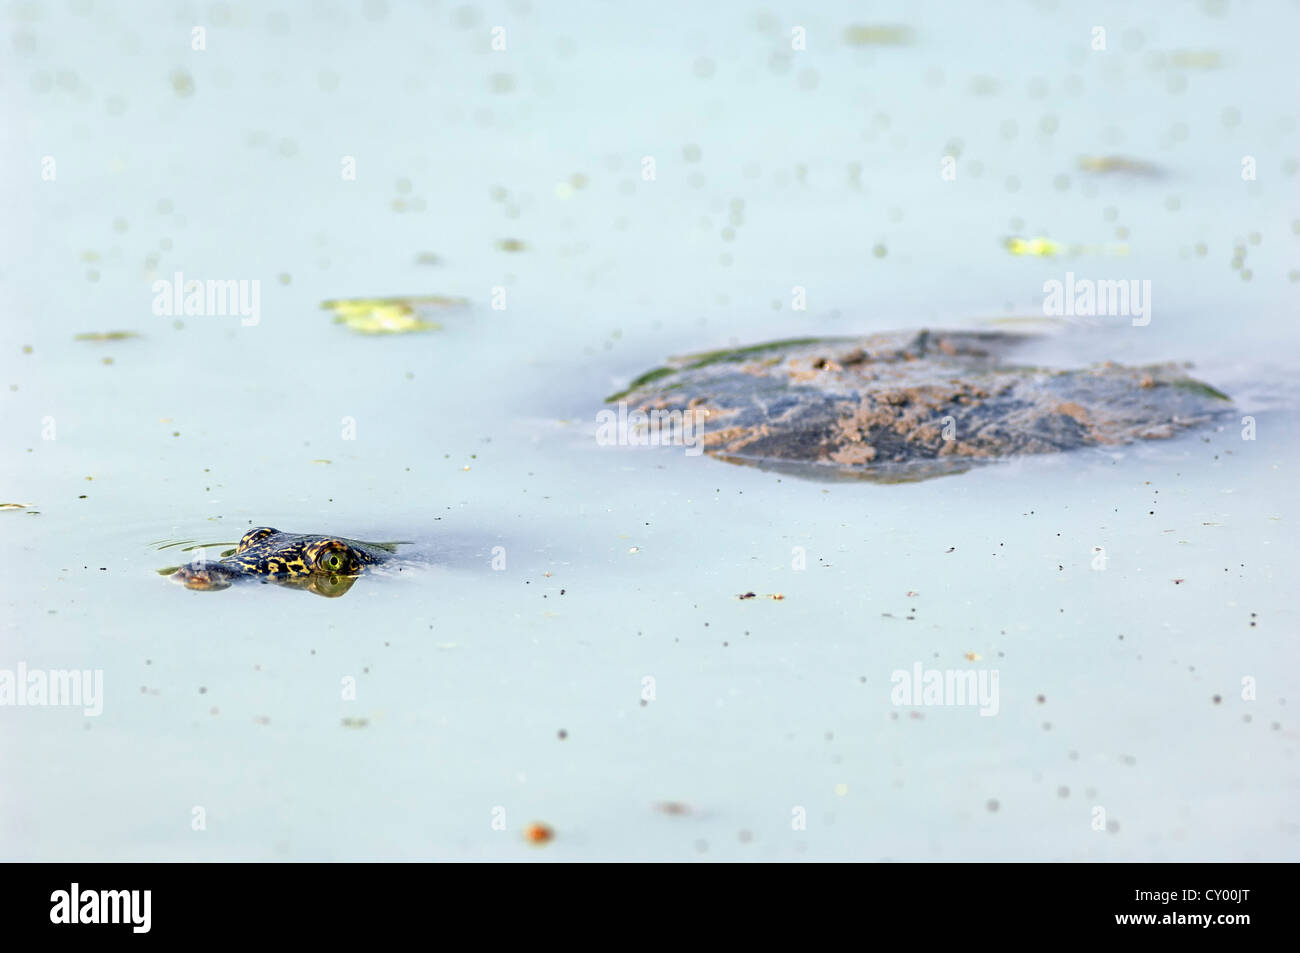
(395, 315)
(106, 335)
(1122, 164)
(1195, 59)
(861, 34)
(1039, 247)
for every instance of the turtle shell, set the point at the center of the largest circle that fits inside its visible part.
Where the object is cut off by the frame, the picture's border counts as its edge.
(909, 405)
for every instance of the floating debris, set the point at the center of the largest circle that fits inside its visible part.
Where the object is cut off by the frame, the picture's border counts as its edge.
(182, 83)
(397, 315)
(674, 808)
(14, 506)
(538, 834)
(355, 722)
(511, 244)
(1040, 247)
(1106, 164)
(861, 34)
(106, 335)
(1191, 59)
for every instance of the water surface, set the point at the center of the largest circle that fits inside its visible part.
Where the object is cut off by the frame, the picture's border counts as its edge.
(489, 698)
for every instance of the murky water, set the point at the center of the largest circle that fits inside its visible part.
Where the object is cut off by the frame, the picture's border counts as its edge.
(563, 640)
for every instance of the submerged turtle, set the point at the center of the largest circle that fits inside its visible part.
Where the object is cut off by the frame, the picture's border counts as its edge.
(905, 405)
(325, 565)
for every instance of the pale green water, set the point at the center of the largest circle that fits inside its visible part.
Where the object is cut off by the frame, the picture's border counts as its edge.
(231, 702)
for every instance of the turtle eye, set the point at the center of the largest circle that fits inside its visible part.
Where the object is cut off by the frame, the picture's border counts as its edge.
(335, 557)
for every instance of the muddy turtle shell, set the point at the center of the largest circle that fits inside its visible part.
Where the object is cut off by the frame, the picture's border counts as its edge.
(908, 405)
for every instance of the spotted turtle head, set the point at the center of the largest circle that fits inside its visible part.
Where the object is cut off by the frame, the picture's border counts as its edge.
(326, 565)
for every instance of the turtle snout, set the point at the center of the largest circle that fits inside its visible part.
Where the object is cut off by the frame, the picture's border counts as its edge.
(203, 578)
